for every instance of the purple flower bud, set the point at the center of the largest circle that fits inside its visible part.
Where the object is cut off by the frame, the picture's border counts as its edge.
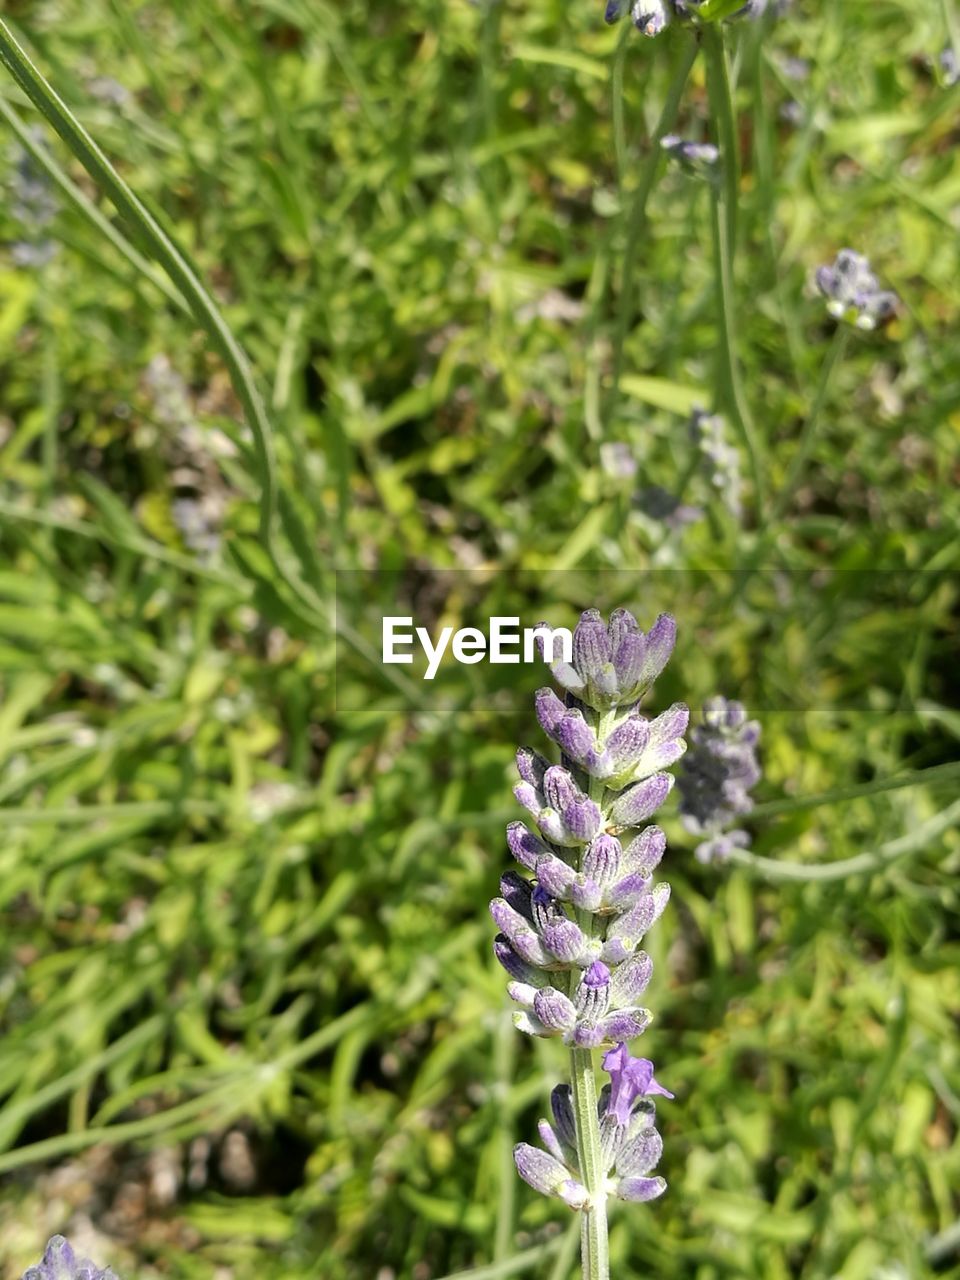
(591, 646)
(593, 996)
(550, 710)
(531, 766)
(527, 795)
(625, 1024)
(524, 845)
(628, 742)
(626, 891)
(601, 860)
(559, 788)
(640, 1155)
(554, 875)
(582, 820)
(638, 802)
(578, 741)
(622, 624)
(638, 1190)
(519, 933)
(627, 930)
(566, 941)
(554, 1009)
(650, 16)
(586, 895)
(553, 1144)
(644, 852)
(629, 658)
(542, 1171)
(516, 891)
(516, 967)
(561, 1104)
(661, 639)
(630, 979)
(588, 1035)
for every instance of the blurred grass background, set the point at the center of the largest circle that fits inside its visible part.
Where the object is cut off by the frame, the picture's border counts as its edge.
(251, 1026)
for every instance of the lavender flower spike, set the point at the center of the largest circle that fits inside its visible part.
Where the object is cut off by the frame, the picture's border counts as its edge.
(853, 292)
(60, 1263)
(571, 924)
(717, 777)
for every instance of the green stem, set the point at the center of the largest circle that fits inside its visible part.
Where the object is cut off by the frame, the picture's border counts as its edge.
(936, 773)
(593, 1230)
(593, 1235)
(617, 105)
(723, 204)
(504, 1058)
(45, 160)
(834, 356)
(202, 307)
(638, 214)
(874, 860)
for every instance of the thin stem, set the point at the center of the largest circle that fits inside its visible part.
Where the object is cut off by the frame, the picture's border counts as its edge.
(593, 1232)
(593, 1235)
(723, 204)
(504, 1057)
(918, 777)
(875, 860)
(46, 161)
(617, 104)
(638, 214)
(202, 307)
(833, 358)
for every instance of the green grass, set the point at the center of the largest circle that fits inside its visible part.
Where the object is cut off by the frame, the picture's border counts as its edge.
(243, 874)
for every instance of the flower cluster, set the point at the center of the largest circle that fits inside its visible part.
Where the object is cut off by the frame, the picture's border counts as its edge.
(651, 16)
(716, 778)
(571, 928)
(34, 206)
(59, 1262)
(697, 157)
(720, 458)
(853, 292)
(630, 1146)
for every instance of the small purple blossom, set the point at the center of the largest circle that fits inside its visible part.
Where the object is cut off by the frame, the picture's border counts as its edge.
(630, 1078)
(618, 460)
(616, 664)
(59, 1262)
(659, 504)
(720, 458)
(699, 157)
(853, 292)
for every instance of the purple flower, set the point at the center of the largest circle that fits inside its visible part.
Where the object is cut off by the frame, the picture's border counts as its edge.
(546, 1174)
(853, 292)
(717, 775)
(614, 665)
(699, 157)
(658, 504)
(630, 1078)
(60, 1263)
(721, 460)
(585, 899)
